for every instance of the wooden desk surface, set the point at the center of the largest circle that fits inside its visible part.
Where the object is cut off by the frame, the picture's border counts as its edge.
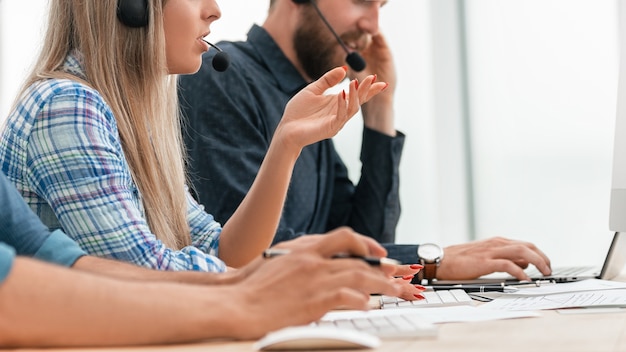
(551, 332)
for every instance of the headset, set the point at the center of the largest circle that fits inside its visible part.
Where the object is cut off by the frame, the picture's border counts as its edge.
(133, 13)
(353, 59)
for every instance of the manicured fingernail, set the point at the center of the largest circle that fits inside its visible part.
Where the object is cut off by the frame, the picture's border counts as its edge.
(416, 266)
(420, 287)
(343, 94)
(356, 84)
(418, 296)
(407, 277)
(345, 68)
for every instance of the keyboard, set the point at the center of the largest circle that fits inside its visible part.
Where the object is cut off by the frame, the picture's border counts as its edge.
(440, 298)
(397, 326)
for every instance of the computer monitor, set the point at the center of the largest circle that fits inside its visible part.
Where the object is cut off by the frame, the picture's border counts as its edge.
(617, 213)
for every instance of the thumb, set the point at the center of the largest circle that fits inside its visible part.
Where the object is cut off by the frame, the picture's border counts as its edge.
(328, 80)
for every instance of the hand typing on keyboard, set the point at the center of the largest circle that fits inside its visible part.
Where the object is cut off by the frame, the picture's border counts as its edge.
(405, 274)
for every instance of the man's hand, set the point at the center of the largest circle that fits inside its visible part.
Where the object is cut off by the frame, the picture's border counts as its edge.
(474, 259)
(378, 112)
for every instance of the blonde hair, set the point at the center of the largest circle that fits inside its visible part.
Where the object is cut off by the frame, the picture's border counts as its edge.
(127, 66)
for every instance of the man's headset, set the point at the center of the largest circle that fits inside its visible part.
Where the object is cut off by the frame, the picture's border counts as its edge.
(354, 60)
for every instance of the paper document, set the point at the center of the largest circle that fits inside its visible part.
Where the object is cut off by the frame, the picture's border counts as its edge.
(598, 298)
(550, 289)
(569, 287)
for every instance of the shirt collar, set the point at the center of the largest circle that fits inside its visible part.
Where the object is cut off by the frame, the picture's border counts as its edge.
(73, 64)
(284, 72)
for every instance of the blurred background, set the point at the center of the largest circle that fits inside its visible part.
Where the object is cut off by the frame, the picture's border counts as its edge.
(508, 107)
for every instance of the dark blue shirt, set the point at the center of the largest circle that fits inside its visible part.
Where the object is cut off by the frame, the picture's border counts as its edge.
(22, 233)
(230, 119)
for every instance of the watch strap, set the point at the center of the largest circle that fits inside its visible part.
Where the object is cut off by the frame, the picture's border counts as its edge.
(430, 271)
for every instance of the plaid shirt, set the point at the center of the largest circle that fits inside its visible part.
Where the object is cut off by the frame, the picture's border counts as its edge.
(61, 149)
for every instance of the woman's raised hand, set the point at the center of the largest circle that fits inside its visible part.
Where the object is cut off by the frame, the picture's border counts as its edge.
(312, 116)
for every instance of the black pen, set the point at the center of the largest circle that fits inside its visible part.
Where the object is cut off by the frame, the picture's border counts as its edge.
(474, 288)
(374, 261)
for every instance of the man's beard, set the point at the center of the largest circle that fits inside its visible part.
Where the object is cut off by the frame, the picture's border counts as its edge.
(316, 47)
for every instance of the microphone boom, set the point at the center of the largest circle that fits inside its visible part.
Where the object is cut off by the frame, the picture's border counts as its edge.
(221, 60)
(353, 59)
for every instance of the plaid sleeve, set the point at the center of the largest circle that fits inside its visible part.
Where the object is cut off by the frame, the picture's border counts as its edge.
(205, 231)
(77, 164)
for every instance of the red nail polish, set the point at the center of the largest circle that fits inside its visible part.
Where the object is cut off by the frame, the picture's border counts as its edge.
(420, 287)
(418, 296)
(416, 266)
(356, 84)
(407, 277)
(343, 94)
(345, 68)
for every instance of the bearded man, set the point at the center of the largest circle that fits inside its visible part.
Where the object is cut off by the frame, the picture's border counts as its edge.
(232, 115)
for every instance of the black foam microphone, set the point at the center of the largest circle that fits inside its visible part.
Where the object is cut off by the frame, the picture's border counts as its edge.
(353, 59)
(221, 60)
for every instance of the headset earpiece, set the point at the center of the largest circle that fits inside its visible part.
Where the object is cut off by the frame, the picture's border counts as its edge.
(133, 13)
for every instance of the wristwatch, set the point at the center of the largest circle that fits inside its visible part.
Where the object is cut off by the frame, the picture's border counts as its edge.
(430, 256)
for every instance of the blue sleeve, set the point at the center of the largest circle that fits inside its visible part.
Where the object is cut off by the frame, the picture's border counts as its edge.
(23, 232)
(6, 260)
(59, 249)
(20, 228)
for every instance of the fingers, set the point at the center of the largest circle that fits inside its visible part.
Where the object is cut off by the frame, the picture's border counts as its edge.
(471, 260)
(524, 253)
(507, 266)
(409, 291)
(345, 240)
(328, 80)
(369, 87)
(405, 270)
(349, 273)
(342, 282)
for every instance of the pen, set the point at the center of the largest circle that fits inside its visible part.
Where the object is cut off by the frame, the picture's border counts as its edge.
(375, 261)
(475, 288)
(536, 283)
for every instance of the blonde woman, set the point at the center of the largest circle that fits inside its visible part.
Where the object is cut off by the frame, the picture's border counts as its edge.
(93, 142)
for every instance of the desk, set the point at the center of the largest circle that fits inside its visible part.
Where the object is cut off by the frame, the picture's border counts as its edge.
(552, 332)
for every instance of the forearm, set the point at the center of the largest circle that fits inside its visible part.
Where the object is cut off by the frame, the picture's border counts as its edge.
(252, 227)
(378, 114)
(45, 305)
(126, 271)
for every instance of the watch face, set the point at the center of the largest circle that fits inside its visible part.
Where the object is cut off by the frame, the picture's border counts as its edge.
(429, 252)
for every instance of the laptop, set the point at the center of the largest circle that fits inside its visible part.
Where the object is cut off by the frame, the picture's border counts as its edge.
(613, 265)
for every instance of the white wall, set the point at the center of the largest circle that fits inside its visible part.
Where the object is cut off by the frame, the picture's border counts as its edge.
(21, 28)
(543, 86)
